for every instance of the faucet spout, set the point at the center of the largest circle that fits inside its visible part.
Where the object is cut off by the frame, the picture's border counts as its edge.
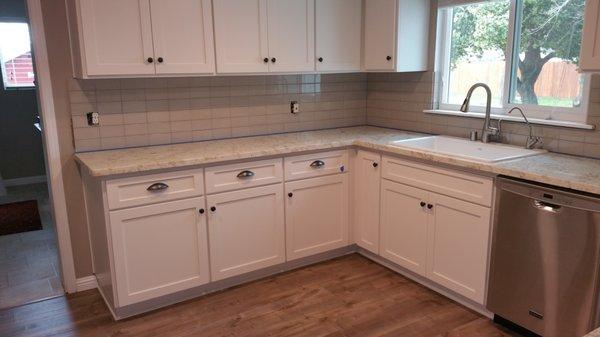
(488, 131)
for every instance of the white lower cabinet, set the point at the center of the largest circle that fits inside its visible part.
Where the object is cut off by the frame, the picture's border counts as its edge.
(316, 215)
(458, 246)
(246, 230)
(159, 249)
(367, 180)
(404, 226)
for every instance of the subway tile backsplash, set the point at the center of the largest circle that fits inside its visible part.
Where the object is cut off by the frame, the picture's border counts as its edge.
(140, 112)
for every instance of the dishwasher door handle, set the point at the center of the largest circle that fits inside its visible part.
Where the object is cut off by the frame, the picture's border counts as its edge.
(547, 207)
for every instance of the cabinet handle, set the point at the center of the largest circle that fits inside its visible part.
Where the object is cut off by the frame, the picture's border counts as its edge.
(213, 208)
(375, 164)
(160, 60)
(422, 204)
(388, 57)
(429, 206)
(201, 211)
(317, 163)
(150, 60)
(342, 168)
(157, 187)
(290, 194)
(320, 59)
(245, 174)
(273, 60)
(266, 60)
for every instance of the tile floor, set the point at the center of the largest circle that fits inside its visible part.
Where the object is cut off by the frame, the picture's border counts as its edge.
(29, 266)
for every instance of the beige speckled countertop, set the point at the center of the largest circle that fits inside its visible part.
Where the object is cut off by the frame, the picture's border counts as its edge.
(595, 333)
(555, 169)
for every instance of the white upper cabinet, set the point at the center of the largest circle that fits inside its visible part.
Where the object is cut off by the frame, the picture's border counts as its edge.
(183, 37)
(241, 36)
(590, 46)
(257, 36)
(338, 35)
(396, 35)
(367, 179)
(116, 37)
(128, 38)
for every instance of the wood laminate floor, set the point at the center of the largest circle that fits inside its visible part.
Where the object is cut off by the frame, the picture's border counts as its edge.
(29, 267)
(347, 296)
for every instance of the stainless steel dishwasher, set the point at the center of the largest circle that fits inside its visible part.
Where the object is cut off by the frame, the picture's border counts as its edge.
(544, 273)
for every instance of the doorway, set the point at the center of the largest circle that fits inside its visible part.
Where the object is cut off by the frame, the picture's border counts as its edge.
(29, 260)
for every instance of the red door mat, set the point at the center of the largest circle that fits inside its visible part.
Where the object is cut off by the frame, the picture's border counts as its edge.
(18, 217)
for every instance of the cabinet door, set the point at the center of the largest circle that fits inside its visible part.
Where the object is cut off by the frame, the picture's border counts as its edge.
(404, 225)
(316, 215)
(116, 36)
(380, 34)
(246, 230)
(159, 249)
(338, 34)
(291, 35)
(367, 177)
(183, 36)
(590, 46)
(458, 246)
(241, 36)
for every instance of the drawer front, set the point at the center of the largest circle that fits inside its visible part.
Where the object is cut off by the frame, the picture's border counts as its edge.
(461, 185)
(149, 189)
(236, 176)
(316, 164)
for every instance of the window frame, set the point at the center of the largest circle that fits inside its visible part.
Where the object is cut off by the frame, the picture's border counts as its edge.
(2, 70)
(443, 46)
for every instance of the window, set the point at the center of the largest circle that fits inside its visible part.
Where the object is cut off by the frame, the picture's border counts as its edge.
(15, 55)
(527, 51)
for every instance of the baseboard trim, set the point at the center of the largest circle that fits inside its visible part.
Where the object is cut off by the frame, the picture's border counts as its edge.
(24, 181)
(86, 283)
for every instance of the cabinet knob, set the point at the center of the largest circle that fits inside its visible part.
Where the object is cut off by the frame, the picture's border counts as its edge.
(201, 211)
(290, 194)
(160, 60)
(150, 60)
(213, 208)
(429, 206)
(266, 60)
(375, 164)
(388, 57)
(423, 204)
(320, 59)
(273, 60)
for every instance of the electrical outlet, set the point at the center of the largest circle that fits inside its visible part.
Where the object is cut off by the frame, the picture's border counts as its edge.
(93, 118)
(294, 107)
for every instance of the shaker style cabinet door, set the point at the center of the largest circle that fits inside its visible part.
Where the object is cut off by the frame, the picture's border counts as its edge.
(404, 217)
(159, 249)
(380, 34)
(183, 36)
(338, 35)
(316, 215)
(116, 37)
(291, 31)
(241, 36)
(367, 179)
(458, 246)
(246, 230)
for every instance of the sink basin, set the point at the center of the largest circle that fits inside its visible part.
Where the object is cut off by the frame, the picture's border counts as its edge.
(459, 147)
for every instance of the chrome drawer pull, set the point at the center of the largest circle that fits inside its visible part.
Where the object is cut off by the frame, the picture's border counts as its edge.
(245, 174)
(317, 164)
(157, 187)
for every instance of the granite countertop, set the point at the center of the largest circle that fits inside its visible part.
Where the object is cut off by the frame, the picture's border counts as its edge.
(555, 169)
(595, 333)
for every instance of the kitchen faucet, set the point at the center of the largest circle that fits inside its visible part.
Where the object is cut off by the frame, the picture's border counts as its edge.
(488, 133)
(531, 140)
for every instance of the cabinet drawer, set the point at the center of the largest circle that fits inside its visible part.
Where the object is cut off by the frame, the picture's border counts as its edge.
(236, 176)
(468, 187)
(149, 189)
(315, 164)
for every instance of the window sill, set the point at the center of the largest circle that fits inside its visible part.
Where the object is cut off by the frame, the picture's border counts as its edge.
(519, 119)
